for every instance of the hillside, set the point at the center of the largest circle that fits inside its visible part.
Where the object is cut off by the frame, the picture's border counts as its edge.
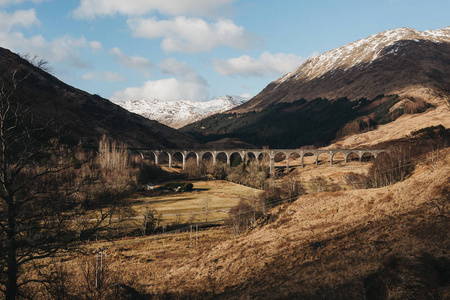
(82, 116)
(383, 243)
(346, 91)
(180, 113)
(317, 122)
(402, 61)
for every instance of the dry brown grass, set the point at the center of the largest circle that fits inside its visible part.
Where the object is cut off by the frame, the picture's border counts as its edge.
(335, 175)
(189, 207)
(139, 262)
(401, 127)
(354, 232)
(331, 245)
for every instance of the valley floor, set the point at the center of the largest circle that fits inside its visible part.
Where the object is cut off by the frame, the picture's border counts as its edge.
(385, 243)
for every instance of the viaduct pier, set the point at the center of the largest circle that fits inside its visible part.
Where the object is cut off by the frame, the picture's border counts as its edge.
(258, 154)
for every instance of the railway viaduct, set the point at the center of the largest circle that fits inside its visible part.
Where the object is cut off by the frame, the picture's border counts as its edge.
(258, 154)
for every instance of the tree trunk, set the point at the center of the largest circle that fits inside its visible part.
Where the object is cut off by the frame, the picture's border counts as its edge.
(11, 284)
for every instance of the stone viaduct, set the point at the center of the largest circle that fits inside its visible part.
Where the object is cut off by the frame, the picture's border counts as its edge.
(258, 154)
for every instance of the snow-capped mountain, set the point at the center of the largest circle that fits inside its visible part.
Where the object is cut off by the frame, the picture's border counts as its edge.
(361, 86)
(177, 114)
(386, 62)
(364, 52)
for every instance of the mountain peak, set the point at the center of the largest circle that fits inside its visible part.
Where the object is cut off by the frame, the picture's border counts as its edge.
(364, 51)
(383, 63)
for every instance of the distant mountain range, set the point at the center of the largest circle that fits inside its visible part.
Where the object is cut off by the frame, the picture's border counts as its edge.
(177, 114)
(84, 117)
(348, 90)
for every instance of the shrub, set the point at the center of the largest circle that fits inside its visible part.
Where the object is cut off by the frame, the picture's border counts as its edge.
(321, 184)
(389, 169)
(220, 171)
(438, 133)
(253, 174)
(237, 174)
(187, 187)
(241, 217)
(318, 184)
(355, 180)
(291, 188)
(148, 173)
(270, 196)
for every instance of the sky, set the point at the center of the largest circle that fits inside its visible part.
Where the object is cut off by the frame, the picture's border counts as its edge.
(195, 49)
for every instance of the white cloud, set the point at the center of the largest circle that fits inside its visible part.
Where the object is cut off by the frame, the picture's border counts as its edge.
(186, 84)
(170, 89)
(171, 66)
(15, 2)
(96, 46)
(89, 9)
(266, 64)
(192, 35)
(103, 76)
(19, 18)
(246, 95)
(134, 62)
(181, 71)
(63, 49)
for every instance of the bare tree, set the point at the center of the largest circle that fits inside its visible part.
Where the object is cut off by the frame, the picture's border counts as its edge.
(194, 170)
(444, 93)
(389, 169)
(41, 192)
(150, 220)
(318, 184)
(220, 171)
(241, 217)
(269, 197)
(256, 175)
(206, 208)
(291, 187)
(37, 61)
(192, 218)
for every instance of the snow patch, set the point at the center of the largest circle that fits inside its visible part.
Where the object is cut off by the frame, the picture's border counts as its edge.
(361, 52)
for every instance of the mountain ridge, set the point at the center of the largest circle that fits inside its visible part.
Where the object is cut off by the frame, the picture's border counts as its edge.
(347, 71)
(85, 117)
(177, 114)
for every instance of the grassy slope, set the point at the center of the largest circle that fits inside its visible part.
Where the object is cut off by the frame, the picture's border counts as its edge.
(385, 241)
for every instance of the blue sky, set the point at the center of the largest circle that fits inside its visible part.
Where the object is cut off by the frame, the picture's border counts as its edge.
(195, 49)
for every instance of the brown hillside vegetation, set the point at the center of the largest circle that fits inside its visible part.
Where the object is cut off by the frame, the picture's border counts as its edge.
(401, 127)
(385, 243)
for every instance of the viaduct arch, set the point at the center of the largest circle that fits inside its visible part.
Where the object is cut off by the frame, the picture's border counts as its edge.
(271, 153)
